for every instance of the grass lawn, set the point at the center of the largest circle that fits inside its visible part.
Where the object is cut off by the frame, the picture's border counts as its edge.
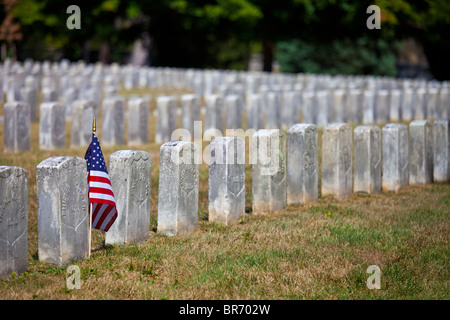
(317, 251)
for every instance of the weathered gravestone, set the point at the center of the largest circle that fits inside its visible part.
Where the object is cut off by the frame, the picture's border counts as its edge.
(83, 112)
(110, 92)
(367, 162)
(395, 105)
(137, 122)
(443, 108)
(214, 105)
(13, 220)
(354, 106)
(338, 99)
(395, 157)
(273, 107)
(233, 112)
(368, 103)
(178, 188)
(113, 123)
(255, 112)
(166, 119)
(322, 107)
(11, 88)
(226, 180)
(382, 106)
(190, 112)
(52, 126)
(420, 152)
(130, 173)
(49, 95)
(441, 150)
(68, 97)
(268, 158)
(431, 103)
(63, 216)
(290, 109)
(92, 94)
(337, 160)
(302, 164)
(29, 95)
(419, 99)
(406, 105)
(307, 107)
(16, 127)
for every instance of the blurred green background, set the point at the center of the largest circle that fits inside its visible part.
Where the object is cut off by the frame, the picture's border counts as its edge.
(320, 36)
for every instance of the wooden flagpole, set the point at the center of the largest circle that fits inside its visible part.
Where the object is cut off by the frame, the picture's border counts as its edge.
(94, 129)
(90, 228)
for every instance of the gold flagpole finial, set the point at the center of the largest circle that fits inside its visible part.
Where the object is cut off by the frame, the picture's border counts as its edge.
(93, 126)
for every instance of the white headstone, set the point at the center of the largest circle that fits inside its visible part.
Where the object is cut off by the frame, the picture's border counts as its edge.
(63, 216)
(420, 152)
(52, 126)
(166, 119)
(337, 160)
(441, 150)
(268, 156)
(137, 122)
(130, 173)
(302, 164)
(367, 159)
(13, 220)
(16, 127)
(178, 189)
(82, 117)
(395, 157)
(226, 180)
(113, 122)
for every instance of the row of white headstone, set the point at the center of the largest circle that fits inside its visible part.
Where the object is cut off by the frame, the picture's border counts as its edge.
(271, 108)
(63, 74)
(318, 99)
(221, 113)
(383, 160)
(59, 76)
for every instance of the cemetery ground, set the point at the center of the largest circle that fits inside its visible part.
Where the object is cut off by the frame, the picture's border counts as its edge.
(316, 251)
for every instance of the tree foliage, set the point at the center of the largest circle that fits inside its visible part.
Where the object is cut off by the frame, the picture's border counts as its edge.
(343, 56)
(223, 33)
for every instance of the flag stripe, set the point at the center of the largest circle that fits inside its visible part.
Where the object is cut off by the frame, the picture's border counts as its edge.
(95, 209)
(100, 211)
(101, 196)
(104, 215)
(104, 202)
(111, 221)
(97, 213)
(107, 222)
(101, 191)
(99, 174)
(100, 180)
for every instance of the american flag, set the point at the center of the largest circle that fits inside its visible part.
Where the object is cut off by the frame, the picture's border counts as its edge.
(101, 195)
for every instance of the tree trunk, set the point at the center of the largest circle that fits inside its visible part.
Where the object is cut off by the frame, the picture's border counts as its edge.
(86, 51)
(13, 52)
(267, 55)
(4, 51)
(103, 55)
